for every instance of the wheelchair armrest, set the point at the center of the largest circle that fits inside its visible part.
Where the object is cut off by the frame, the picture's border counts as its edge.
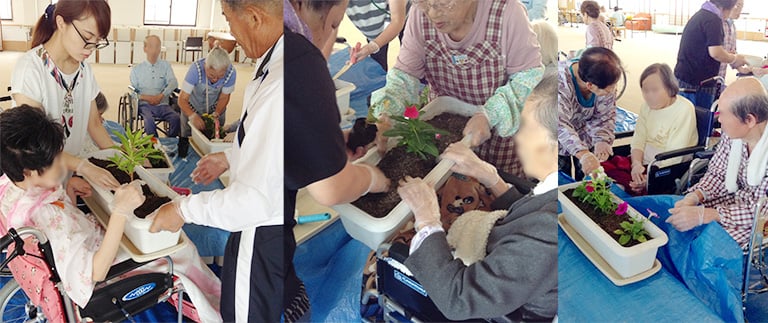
(678, 153)
(706, 154)
(123, 268)
(624, 134)
(399, 251)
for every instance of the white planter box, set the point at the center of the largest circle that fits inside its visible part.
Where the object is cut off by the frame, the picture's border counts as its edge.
(626, 261)
(343, 91)
(206, 145)
(373, 231)
(163, 173)
(136, 229)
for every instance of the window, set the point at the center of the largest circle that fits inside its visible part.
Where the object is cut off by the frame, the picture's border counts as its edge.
(5, 10)
(170, 12)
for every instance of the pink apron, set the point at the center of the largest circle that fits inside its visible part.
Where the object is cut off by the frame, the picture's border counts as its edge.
(473, 75)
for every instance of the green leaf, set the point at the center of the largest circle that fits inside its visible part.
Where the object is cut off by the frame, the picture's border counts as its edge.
(626, 226)
(618, 231)
(641, 238)
(623, 239)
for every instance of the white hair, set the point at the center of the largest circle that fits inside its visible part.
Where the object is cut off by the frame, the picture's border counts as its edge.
(547, 37)
(218, 59)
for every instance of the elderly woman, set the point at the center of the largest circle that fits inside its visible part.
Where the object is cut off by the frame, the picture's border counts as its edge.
(587, 109)
(516, 274)
(480, 52)
(598, 34)
(206, 89)
(736, 177)
(702, 51)
(666, 122)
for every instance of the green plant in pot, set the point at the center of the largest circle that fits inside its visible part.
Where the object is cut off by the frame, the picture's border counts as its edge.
(597, 193)
(136, 149)
(212, 126)
(416, 135)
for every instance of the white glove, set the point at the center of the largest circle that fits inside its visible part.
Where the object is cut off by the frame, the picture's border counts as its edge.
(96, 175)
(127, 198)
(422, 200)
(479, 127)
(690, 199)
(467, 163)
(603, 150)
(589, 163)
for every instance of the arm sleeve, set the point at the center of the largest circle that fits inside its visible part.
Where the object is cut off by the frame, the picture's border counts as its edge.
(602, 125)
(516, 270)
(712, 185)
(254, 197)
(26, 80)
(592, 41)
(229, 87)
(567, 136)
(412, 55)
(504, 107)
(639, 137)
(172, 82)
(191, 79)
(713, 32)
(400, 90)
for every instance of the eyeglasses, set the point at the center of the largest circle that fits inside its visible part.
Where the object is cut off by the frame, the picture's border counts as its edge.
(439, 6)
(89, 45)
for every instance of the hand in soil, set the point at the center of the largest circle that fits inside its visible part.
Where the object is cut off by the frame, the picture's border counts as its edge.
(166, 218)
(480, 129)
(467, 163)
(209, 168)
(197, 121)
(127, 198)
(97, 175)
(421, 199)
(379, 182)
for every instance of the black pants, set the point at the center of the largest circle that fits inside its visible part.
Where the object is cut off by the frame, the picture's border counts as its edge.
(570, 165)
(265, 280)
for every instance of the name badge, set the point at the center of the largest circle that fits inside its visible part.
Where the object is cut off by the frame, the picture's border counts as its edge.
(460, 59)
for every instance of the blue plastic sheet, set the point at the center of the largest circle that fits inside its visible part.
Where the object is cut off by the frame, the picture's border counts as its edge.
(367, 76)
(625, 120)
(331, 266)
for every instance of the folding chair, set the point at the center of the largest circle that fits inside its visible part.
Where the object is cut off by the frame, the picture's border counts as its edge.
(193, 44)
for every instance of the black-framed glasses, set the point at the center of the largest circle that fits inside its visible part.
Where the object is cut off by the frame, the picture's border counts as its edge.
(89, 45)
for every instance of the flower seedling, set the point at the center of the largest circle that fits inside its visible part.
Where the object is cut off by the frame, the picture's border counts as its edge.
(418, 136)
(597, 192)
(212, 128)
(136, 148)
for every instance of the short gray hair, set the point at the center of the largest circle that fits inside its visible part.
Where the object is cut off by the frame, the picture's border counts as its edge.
(272, 5)
(754, 104)
(547, 37)
(544, 100)
(218, 59)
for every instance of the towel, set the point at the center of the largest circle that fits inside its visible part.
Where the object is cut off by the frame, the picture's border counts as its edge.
(756, 165)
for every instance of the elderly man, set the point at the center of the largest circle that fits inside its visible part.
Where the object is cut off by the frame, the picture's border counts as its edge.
(516, 276)
(736, 177)
(206, 89)
(154, 81)
(251, 206)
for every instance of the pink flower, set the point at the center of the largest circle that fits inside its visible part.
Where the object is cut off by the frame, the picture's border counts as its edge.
(622, 208)
(437, 136)
(590, 188)
(652, 214)
(411, 112)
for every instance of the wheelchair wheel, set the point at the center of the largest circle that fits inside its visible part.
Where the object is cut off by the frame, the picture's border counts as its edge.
(693, 176)
(15, 306)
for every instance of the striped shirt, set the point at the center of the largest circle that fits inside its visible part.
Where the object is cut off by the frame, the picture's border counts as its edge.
(369, 16)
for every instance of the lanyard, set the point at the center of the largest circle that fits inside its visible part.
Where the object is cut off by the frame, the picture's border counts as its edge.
(59, 78)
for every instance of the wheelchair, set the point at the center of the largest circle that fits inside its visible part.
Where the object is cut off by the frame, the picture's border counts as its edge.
(128, 111)
(754, 255)
(114, 299)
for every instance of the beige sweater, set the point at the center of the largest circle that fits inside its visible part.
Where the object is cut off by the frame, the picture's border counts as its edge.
(669, 128)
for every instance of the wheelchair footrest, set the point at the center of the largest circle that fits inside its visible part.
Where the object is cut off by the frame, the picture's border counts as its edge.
(126, 297)
(407, 292)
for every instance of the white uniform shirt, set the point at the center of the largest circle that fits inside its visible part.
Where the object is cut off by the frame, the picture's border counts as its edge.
(254, 196)
(32, 79)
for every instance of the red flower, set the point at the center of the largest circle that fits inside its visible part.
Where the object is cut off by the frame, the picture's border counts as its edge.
(622, 208)
(590, 188)
(437, 136)
(411, 112)
(154, 140)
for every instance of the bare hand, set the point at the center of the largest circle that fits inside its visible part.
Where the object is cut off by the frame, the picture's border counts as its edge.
(209, 168)
(421, 199)
(638, 174)
(79, 187)
(197, 121)
(166, 218)
(480, 129)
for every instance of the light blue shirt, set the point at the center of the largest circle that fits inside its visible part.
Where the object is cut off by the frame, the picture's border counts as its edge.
(151, 79)
(537, 9)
